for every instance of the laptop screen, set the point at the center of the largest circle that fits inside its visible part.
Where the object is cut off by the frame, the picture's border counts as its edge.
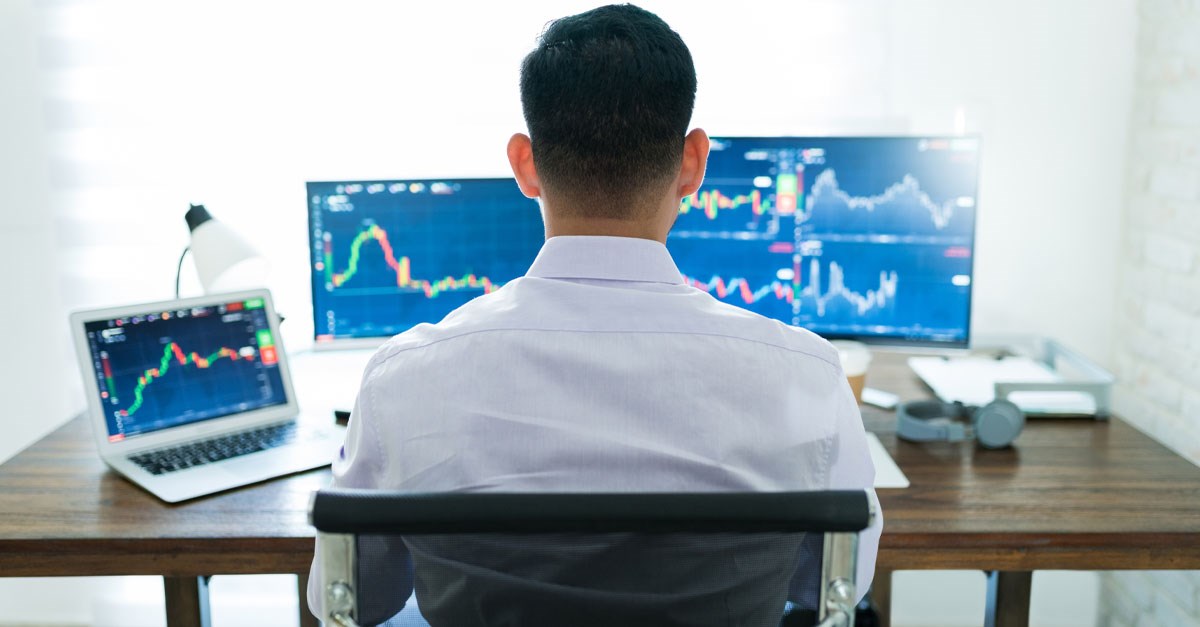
(175, 367)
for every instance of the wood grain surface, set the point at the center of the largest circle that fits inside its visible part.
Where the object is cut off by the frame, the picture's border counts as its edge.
(63, 512)
(1072, 494)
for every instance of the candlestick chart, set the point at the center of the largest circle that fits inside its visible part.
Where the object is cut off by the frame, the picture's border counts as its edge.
(175, 367)
(387, 255)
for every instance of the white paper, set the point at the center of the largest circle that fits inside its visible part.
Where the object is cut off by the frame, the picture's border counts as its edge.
(887, 473)
(972, 381)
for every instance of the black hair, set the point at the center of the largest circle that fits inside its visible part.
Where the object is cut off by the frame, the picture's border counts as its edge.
(607, 97)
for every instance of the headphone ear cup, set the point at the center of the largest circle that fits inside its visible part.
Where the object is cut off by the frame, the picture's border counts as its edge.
(998, 423)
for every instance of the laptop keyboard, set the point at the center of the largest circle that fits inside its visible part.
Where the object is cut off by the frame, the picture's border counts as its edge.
(216, 449)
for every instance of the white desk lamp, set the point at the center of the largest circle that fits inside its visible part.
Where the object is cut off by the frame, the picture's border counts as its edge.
(225, 260)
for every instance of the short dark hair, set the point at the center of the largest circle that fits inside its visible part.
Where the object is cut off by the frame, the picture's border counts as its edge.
(607, 96)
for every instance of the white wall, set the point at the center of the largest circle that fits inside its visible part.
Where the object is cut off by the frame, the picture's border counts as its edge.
(31, 315)
(1157, 354)
(36, 351)
(150, 105)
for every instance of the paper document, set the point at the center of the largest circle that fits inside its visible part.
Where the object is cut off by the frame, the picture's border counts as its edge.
(887, 473)
(972, 381)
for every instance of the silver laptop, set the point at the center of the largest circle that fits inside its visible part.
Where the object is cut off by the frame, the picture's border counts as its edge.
(191, 397)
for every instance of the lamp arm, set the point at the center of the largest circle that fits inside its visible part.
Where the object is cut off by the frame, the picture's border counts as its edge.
(179, 268)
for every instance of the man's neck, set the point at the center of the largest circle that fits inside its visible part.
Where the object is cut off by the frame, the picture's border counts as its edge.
(644, 229)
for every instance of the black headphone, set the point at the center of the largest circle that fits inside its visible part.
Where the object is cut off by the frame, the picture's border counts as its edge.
(995, 425)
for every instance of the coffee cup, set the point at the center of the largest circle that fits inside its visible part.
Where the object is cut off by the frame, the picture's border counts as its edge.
(855, 358)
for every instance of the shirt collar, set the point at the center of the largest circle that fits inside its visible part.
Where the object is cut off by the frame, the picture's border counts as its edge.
(605, 257)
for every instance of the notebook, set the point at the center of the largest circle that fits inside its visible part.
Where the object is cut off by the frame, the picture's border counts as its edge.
(191, 397)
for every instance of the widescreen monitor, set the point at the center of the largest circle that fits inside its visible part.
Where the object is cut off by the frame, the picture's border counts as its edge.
(867, 238)
(388, 255)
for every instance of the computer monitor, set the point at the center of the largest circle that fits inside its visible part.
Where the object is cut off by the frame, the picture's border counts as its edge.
(388, 255)
(867, 238)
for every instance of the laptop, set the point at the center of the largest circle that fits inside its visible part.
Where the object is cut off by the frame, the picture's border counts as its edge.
(191, 397)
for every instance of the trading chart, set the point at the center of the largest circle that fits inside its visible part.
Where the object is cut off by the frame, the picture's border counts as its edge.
(173, 367)
(387, 255)
(850, 237)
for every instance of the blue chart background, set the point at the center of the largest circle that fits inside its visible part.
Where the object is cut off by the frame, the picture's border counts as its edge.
(185, 394)
(898, 236)
(485, 227)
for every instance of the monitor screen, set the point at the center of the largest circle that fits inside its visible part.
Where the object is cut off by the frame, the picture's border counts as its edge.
(388, 255)
(178, 366)
(850, 237)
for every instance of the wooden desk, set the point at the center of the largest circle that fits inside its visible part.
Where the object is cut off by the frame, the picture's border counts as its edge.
(62, 512)
(1073, 495)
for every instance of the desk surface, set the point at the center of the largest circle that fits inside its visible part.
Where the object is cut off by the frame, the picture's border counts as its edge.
(1073, 494)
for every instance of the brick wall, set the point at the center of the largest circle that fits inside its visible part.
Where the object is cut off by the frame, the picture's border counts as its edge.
(1157, 339)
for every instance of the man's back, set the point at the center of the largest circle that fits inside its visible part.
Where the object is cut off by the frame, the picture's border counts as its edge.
(601, 371)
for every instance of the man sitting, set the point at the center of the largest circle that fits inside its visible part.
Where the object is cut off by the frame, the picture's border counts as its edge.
(600, 370)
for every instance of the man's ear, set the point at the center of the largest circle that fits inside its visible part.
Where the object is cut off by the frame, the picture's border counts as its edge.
(695, 159)
(520, 157)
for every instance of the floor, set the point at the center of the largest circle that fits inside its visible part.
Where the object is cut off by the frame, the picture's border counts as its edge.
(923, 599)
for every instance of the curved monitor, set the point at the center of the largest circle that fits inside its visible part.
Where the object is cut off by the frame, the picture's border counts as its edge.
(867, 238)
(388, 255)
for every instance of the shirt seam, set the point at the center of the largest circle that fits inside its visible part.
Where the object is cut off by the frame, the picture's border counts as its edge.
(396, 351)
(368, 431)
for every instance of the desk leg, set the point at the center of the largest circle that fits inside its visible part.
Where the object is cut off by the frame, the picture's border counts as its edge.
(1008, 598)
(881, 596)
(187, 601)
(306, 617)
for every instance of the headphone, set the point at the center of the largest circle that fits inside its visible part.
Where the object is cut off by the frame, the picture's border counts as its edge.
(994, 425)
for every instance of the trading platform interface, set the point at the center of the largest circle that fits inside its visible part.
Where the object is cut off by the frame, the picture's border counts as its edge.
(867, 238)
(174, 367)
(388, 255)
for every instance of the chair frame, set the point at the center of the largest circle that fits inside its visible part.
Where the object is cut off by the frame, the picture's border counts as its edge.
(339, 515)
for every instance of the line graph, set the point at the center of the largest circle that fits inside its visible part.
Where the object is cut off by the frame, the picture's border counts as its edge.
(402, 267)
(826, 190)
(862, 303)
(740, 287)
(173, 349)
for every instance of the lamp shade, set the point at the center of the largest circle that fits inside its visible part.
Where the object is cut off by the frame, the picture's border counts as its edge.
(225, 260)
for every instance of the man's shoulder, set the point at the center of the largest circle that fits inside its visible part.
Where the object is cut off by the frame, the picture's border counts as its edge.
(471, 317)
(755, 327)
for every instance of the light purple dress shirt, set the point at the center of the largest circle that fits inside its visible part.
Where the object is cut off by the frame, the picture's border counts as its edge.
(601, 370)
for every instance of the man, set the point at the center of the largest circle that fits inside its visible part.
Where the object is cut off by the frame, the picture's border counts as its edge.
(600, 370)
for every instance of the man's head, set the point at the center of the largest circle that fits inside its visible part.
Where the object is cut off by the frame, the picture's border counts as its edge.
(607, 96)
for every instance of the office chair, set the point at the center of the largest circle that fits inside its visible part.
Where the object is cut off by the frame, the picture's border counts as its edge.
(350, 522)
